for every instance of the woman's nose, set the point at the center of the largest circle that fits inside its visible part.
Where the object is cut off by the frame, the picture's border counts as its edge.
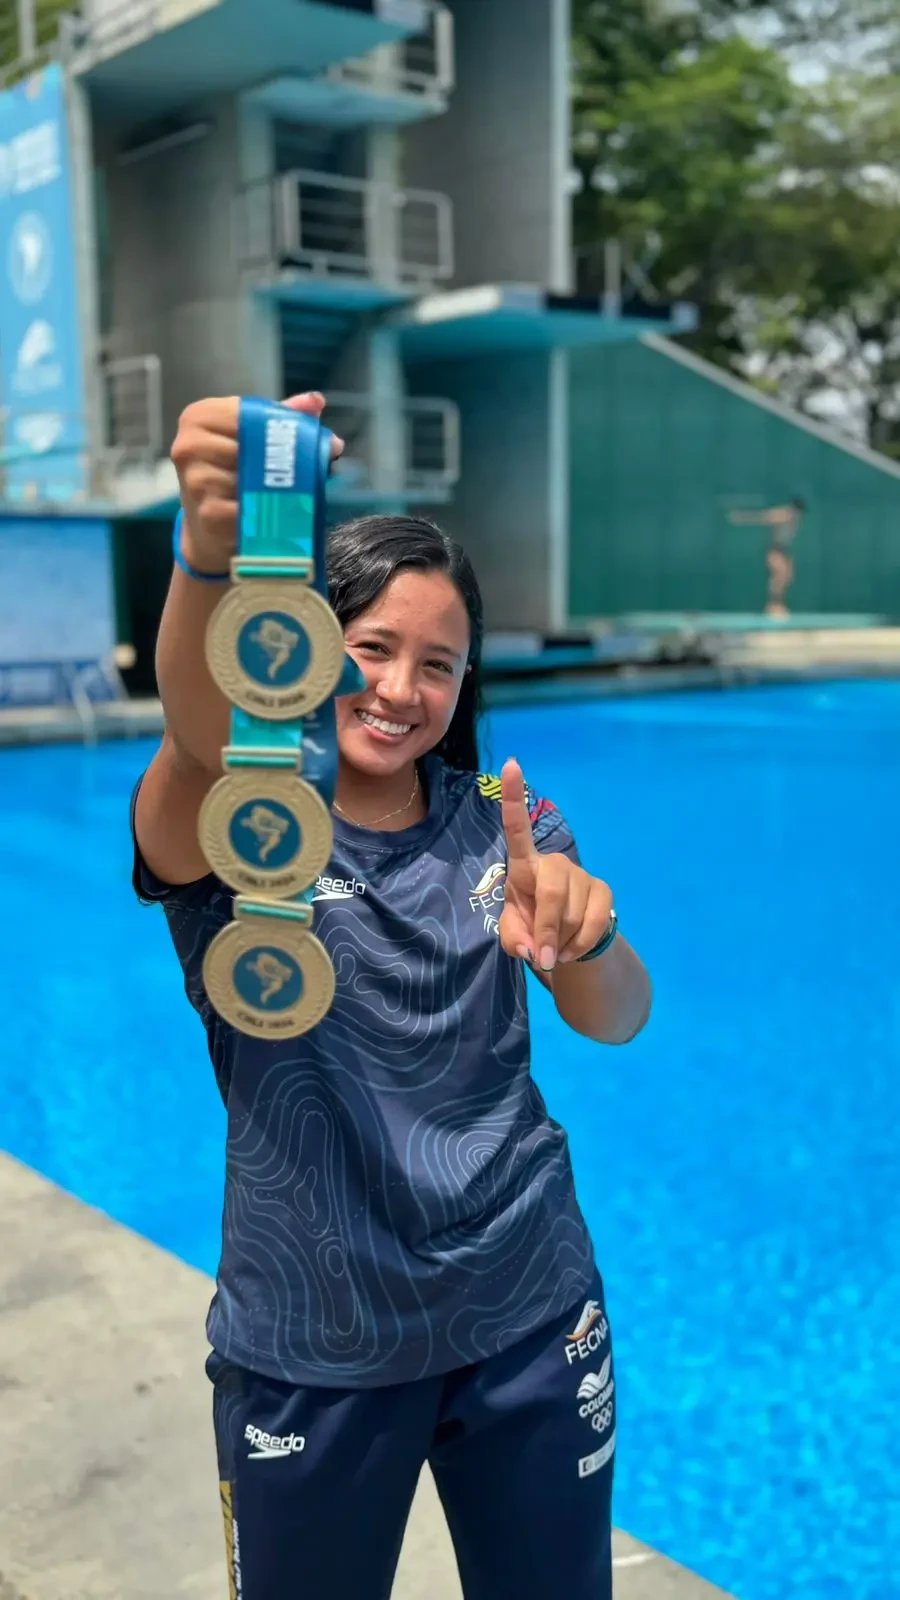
(397, 683)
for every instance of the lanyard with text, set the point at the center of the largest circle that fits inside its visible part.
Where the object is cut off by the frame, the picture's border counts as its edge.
(276, 650)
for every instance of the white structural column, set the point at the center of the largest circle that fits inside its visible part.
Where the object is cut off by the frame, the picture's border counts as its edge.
(388, 431)
(84, 245)
(558, 489)
(560, 209)
(561, 282)
(261, 360)
(386, 380)
(27, 29)
(383, 160)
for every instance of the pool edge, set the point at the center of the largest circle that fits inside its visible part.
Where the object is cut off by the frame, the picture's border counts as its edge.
(136, 719)
(108, 1485)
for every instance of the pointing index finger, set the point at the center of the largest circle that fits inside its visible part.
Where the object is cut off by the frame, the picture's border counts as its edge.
(514, 812)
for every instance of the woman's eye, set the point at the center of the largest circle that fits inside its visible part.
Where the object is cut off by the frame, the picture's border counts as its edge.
(442, 666)
(373, 646)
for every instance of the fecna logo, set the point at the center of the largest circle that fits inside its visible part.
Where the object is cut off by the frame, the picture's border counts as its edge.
(489, 893)
(588, 1334)
(589, 1316)
(488, 885)
(338, 889)
(272, 1447)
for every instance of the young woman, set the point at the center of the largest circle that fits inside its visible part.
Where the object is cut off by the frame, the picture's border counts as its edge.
(405, 1273)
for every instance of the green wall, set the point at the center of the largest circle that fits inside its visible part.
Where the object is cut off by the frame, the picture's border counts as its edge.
(661, 450)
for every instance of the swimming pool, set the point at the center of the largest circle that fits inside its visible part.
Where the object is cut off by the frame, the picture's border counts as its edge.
(739, 1164)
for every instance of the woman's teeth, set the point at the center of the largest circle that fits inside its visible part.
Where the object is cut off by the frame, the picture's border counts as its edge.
(381, 725)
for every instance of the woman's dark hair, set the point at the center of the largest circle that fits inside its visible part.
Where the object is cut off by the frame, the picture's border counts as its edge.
(363, 556)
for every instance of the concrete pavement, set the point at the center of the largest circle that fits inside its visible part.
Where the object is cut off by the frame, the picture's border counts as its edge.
(108, 1481)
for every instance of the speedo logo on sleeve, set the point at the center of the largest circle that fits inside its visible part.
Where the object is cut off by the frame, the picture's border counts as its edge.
(338, 889)
(588, 1334)
(270, 1447)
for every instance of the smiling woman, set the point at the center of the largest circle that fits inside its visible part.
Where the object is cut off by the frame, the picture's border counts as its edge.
(408, 600)
(405, 1266)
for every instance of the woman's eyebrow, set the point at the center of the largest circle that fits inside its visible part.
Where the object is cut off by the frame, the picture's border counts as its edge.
(390, 633)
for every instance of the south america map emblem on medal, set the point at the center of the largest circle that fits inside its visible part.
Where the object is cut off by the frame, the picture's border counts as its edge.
(275, 650)
(269, 979)
(265, 832)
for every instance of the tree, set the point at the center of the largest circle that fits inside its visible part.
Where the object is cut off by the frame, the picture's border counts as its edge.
(770, 203)
(46, 23)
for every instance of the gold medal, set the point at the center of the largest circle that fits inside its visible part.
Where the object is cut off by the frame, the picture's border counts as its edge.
(265, 832)
(275, 649)
(268, 977)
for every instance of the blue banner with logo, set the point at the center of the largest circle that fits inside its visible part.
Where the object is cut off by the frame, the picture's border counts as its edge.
(43, 426)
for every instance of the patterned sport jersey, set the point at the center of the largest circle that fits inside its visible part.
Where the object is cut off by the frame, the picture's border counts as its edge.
(398, 1203)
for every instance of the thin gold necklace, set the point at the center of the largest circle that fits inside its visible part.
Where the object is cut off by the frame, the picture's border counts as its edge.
(387, 816)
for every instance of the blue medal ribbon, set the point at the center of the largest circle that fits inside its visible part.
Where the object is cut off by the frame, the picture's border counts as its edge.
(276, 650)
(278, 524)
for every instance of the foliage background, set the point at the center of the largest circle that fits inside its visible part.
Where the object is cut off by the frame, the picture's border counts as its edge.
(746, 156)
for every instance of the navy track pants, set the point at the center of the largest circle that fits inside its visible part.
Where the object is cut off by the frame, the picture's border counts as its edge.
(316, 1484)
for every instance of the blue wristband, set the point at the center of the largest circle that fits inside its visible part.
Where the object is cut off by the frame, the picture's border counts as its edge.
(601, 948)
(192, 572)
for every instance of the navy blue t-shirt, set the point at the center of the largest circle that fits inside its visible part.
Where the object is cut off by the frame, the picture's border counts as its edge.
(398, 1203)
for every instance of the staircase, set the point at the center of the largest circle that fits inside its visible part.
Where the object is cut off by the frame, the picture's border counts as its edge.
(311, 338)
(311, 341)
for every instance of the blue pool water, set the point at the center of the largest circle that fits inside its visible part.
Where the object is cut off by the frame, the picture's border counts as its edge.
(739, 1164)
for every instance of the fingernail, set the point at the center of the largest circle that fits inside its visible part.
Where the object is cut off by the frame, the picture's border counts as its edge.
(339, 440)
(564, 957)
(548, 958)
(524, 954)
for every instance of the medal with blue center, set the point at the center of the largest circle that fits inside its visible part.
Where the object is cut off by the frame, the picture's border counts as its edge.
(276, 650)
(266, 974)
(265, 832)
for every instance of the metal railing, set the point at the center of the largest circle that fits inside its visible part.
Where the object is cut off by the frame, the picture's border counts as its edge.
(422, 65)
(132, 411)
(411, 454)
(350, 226)
(615, 272)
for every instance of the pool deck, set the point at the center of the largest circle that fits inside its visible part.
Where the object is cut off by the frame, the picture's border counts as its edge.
(137, 719)
(643, 655)
(108, 1483)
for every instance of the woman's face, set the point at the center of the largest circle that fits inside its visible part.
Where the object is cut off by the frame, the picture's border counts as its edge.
(411, 646)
